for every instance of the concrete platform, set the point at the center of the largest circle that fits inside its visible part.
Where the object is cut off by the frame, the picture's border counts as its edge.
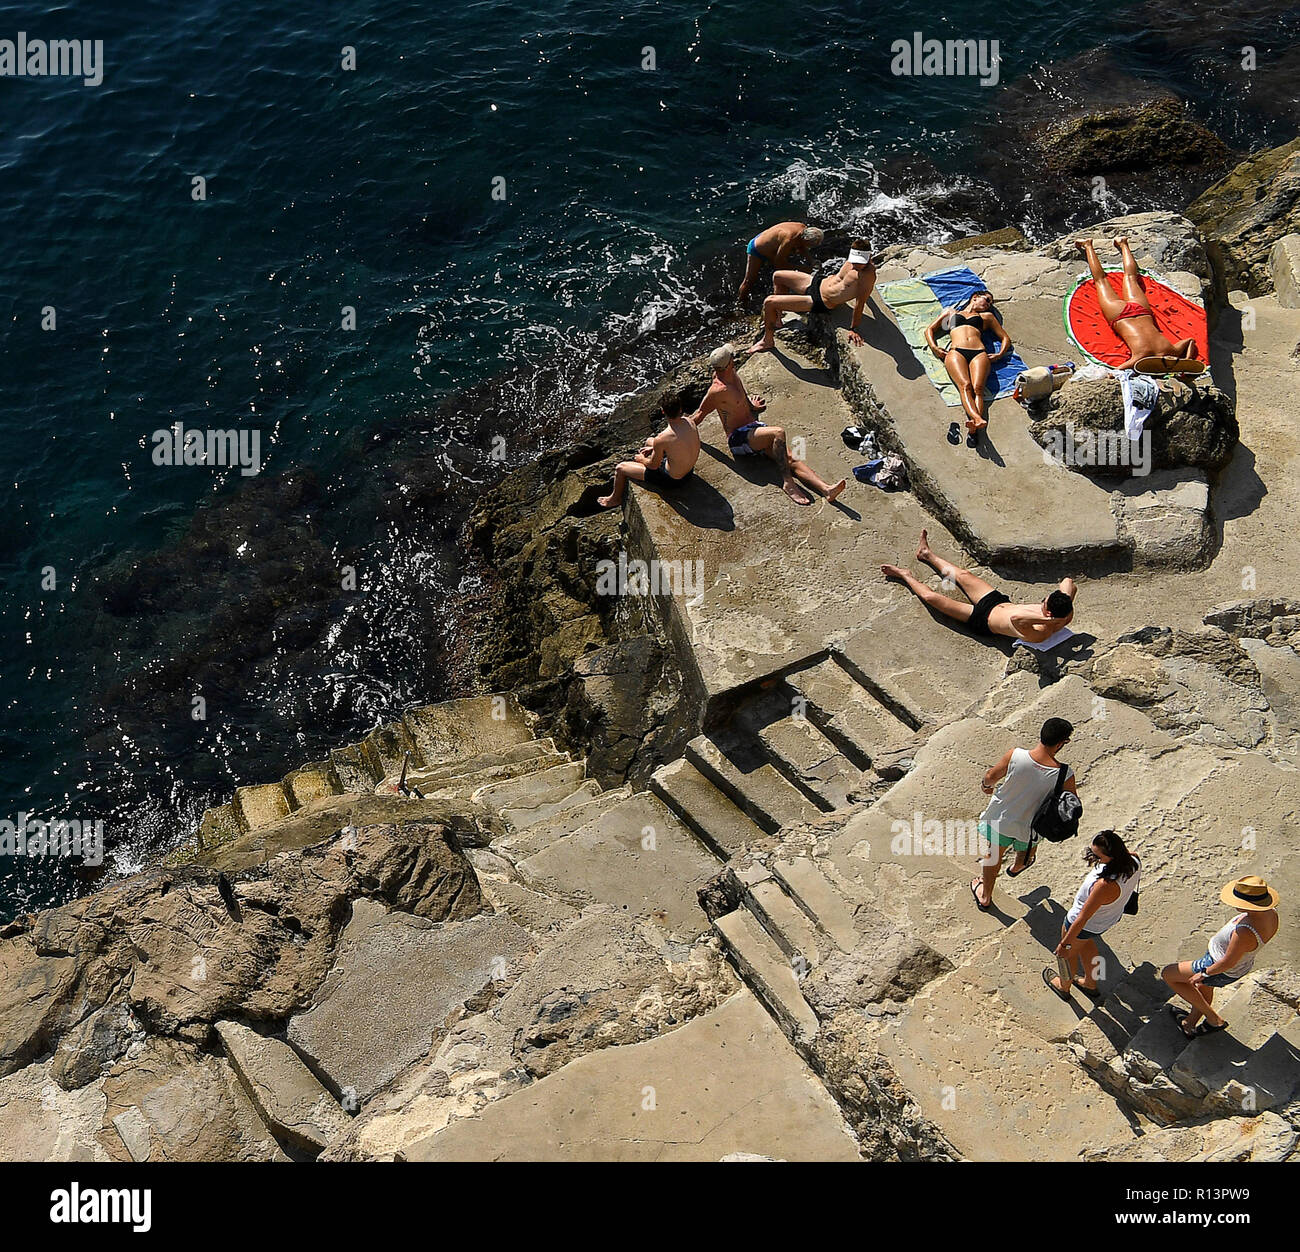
(726, 1082)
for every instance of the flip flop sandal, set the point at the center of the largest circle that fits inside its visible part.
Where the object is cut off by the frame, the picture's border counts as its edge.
(1048, 973)
(974, 890)
(1206, 1029)
(954, 434)
(1029, 864)
(973, 440)
(1179, 1016)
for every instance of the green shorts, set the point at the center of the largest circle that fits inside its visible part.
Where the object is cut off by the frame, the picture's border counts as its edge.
(1001, 840)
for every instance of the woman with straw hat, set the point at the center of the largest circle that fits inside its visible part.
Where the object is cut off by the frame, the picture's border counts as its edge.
(1231, 955)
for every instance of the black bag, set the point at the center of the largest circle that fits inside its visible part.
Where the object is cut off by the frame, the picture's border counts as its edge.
(1058, 816)
(1131, 907)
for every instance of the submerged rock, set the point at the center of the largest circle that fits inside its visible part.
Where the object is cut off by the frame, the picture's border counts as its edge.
(1131, 138)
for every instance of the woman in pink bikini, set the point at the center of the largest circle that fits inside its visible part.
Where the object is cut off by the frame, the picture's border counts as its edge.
(1132, 318)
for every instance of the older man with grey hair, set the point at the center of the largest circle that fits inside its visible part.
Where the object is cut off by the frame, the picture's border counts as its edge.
(747, 433)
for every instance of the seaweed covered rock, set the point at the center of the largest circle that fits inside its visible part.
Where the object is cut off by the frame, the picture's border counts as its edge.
(1244, 214)
(1133, 137)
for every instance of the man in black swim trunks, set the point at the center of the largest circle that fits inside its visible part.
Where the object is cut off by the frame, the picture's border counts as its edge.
(989, 612)
(663, 461)
(797, 292)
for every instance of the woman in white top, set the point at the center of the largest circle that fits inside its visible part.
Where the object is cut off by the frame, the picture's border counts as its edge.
(1110, 884)
(1231, 955)
(1027, 778)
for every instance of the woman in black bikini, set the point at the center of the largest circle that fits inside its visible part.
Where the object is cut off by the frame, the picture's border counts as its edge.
(967, 360)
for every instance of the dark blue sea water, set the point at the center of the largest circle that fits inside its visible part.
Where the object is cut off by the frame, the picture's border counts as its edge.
(626, 194)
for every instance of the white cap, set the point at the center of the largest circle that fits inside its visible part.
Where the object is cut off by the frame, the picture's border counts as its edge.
(721, 357)
(858, 257)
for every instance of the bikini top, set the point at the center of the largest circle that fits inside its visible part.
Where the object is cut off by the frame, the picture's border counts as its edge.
(976, 320)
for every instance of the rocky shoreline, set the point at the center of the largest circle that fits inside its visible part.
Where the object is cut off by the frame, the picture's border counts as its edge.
(337, 969)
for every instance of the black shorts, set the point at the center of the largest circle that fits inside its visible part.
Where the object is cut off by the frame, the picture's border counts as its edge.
(979, 618)
(815, 291)
(662, 478)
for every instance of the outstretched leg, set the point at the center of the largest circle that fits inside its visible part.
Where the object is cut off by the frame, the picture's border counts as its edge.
(1111, 304)
(959, 372)
(980, 368)
(958, 611)
(773, 308)
(972, 586)
(771, 442)
(1133, 289)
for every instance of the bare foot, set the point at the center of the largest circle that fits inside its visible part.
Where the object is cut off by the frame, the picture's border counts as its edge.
(1083, 244)
(796, 492)
(607, 502)
(923, 553)
(833, 494)
(1120, 241)
(975, 427)
(762, 346)
(892, 571)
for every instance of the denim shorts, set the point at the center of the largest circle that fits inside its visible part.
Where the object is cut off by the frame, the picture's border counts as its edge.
(1201, 964)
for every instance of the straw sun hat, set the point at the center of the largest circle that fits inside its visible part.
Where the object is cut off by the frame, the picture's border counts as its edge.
(1251, 892)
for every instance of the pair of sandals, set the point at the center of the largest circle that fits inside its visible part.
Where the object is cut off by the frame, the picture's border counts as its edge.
(1095, 994)
(1180, 1016)
(954, 436)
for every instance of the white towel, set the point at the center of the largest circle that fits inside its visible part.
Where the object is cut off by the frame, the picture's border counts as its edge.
(1135, 415)
(1050, 642)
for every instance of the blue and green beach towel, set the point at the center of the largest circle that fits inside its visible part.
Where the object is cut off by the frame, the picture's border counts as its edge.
(916, 302)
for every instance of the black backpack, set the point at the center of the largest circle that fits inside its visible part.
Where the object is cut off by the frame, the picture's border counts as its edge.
(1058, 816)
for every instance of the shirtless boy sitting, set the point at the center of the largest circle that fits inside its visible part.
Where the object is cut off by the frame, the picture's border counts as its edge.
(1131, 318)
(747, 435)
(989, 612)
(776, 244)
(797, 292)
(663, 461)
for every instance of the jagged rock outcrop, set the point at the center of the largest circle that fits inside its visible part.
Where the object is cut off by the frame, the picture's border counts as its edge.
(162, 954)
(1194, 425)
(1244, 214)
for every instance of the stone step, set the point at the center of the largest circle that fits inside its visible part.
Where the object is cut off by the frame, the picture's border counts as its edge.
(820, 899)
(849, 716)
(786, 923)
(388, 745)
(1255, 1054)
(311, 782)
(811, 762)
(988, 1083)
(717, 823)
(540, 835)
(926, 674)
(738, 770)
(637, 856)
(354, 768)
(459, 729)
(218, 826)
(260, 805)
(466, 777)
(294, 1105)
(768, 973)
